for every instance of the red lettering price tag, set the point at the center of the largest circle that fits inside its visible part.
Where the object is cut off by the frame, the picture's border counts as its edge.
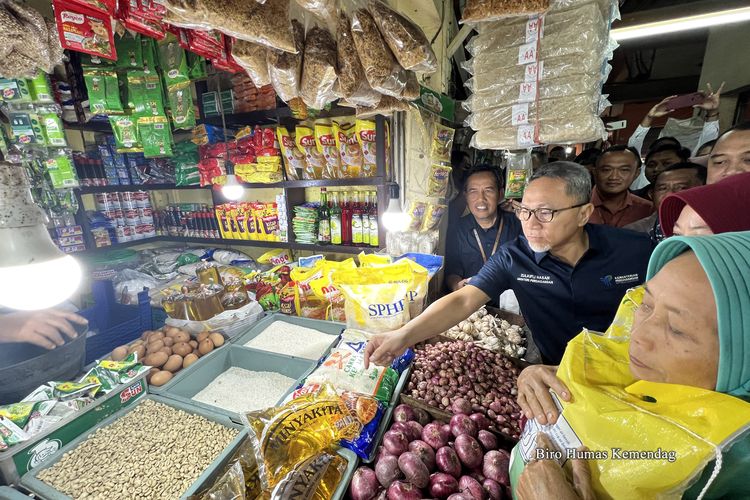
(520, 114)
(534, 28)
(527, 92)
(533, 72)
(527, 54)
(525, 136)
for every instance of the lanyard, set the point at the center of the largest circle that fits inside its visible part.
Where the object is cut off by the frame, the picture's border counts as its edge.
(497, 240)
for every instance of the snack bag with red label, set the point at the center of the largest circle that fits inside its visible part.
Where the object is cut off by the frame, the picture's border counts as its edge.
(314, 160)
(84, 30)
(325, 141)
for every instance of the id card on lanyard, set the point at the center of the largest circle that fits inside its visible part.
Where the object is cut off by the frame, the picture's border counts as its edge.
(497, 240)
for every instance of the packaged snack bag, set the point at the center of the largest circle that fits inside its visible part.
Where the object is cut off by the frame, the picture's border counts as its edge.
(181, 106)
(125, 130)
(433, 216)
(84, 30)
(156, 136)
(439, 177)
(442, 143)
(103, 91)
(417, 210)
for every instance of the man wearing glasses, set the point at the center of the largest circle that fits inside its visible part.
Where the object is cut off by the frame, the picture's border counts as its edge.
(566, 273)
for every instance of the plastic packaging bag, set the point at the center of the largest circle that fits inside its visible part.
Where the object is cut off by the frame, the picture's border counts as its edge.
(383, 73)
(406, 40)
(517, 172)
(313, 479)
(294, 159)
(492, 10)
(315, 163)
(156, 136)
(352, 83)
(350, 152)
(365, 133)
(326, 144)
(324, 9)
(254, 59)
(585, 128)
(285, 69)
(387, 105)
(318, 68)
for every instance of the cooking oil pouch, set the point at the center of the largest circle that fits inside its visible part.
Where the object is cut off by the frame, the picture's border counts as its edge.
(442, 143)
(432, 217)
(314, 162)
(125, 130)
(11, 434)
(350, 152)
(314, 479)
(156, 136)
(365, 130)
(344, 369)
(653, 440)
(129, 52)
(104, 91)
(66, 391)
(181, 106)
(294, 159)
(437, 183)
(173, 62)
(283, 437)
(417, 210)
(325, 141)
(229, 486)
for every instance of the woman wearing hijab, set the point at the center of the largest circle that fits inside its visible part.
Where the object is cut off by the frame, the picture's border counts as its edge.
(711, 209)
(658, 406)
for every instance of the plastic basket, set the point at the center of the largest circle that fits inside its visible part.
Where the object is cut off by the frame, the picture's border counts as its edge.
(113, 324)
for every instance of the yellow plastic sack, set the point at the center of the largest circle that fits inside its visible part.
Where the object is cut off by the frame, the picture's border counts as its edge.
(646, 440)
(376, 308)
(370, 259)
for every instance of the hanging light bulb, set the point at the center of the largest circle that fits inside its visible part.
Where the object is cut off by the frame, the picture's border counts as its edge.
(394, 219)
(232, 189)
(34, 273)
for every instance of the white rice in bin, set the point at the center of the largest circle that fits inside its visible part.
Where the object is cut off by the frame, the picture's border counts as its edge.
(292, 340)
(241, 390)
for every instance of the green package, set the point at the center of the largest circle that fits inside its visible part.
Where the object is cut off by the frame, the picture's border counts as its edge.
(61, 171)
(129, 52)
(125, 130)
(40, 88)
(65, 391)
(91, 61)
(26, 128)
(153, 95)
(19, 413)
(196, 66)
(11, 434)
(136, 89)
(173, 63)
(104, 91)
(156, 136)
(181, 106)
(14, 90)
(53, 130)
(150, 59)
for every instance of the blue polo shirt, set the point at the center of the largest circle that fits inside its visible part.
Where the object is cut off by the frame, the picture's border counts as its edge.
(462, 255)
(558, 300)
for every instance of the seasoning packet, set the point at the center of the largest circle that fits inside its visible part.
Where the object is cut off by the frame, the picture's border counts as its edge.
(315, 478)
(66, 391)
(10, 434)
(84, 30)
(442, 143)
(156, 136)
(19, 413)
(518, 169)
(181, 106)
(173, 62)
(97, 375)
(294, 159)
(417, 210)
(365, 130)
(53, 129)
(103, 90)
(326, 144)
(129, 52)
(125, 130)
(349, 150)
(314, 161)
(433, 216)
(40, 89)
(287, 435)
(149, 54)
(437, 184)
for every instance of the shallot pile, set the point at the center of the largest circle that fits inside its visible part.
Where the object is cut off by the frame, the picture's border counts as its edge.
(494, 334)
(451, 375)
(421, 458)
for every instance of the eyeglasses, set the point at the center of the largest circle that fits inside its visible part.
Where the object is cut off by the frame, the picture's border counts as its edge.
(543, 215)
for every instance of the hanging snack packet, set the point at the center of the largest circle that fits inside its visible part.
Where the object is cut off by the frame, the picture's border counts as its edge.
(407, 41)
(344, 368)
(365, 131)
(103, 6)
(104, 91)
(285, 68)
(437, 184)
(65, 391)
(326, 144)
(417, 211)
(314, 161)
(285, 436)
(40, 89)
(314, 479)
(432, 217)
(253, 58)
(156, 136)
(11, 434)
(517, 173)
(383, 73)
(350, 152)
(442, 143)
(125, 130)
(129, 52)
(181, 106)
(153, 96)
(294, 159)
(84, 30)
(352, 81)
(318, 68)
(173, 62)
(150, 55)
(53, 130)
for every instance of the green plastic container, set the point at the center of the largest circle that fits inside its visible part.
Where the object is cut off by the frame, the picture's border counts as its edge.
(332, 328)
(44, 491)
(197, 376)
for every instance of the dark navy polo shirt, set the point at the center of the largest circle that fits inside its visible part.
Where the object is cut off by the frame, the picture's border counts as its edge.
(558, 300)
(462, 255)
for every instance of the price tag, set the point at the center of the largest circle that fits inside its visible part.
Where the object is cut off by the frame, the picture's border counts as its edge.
(534, 28)
(533, 72)
(525, 136)
(527, 54)
(527, 92)
(520, 114)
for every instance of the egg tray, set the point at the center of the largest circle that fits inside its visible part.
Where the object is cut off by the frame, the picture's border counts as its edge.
(196, 377)
(44, 491)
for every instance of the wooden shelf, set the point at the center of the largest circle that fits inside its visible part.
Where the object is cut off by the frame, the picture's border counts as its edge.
(265, 117)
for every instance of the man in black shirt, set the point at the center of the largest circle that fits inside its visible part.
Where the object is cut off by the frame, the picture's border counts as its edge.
(475, 237)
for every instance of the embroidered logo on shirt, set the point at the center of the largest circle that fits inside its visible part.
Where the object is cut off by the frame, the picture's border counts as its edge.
(535, 278)
(610, 281)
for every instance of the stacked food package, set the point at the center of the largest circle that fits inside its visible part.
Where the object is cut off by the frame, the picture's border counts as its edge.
(29, 41)
(537, 80)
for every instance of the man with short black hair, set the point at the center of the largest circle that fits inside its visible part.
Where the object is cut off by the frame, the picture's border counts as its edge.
(614, 204)
(731, 153)
(657, 160)
(675, 178)
(567, 274)
(475, 237)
